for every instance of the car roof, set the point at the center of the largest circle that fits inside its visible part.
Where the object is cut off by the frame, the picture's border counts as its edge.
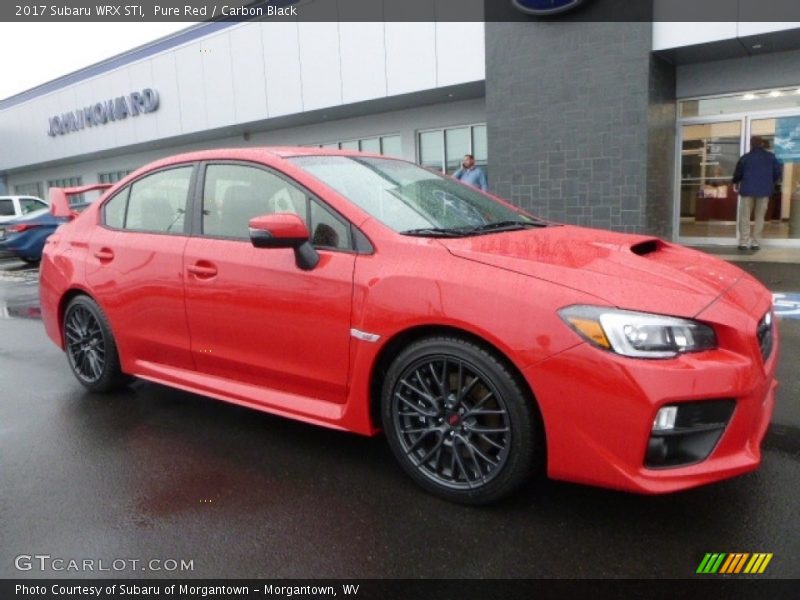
(259, 154)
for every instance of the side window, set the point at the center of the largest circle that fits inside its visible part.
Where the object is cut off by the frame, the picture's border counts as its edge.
(234, 194)
(114, 209)
(157, 202)
(29, 205)
(6, 207)
(327, 230)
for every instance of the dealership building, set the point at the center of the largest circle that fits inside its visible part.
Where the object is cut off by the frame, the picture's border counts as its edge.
(631, 126)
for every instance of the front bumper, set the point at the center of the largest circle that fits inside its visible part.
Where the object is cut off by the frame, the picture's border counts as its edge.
(598, 407)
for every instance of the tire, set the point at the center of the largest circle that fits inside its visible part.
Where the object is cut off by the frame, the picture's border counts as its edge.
(473, 441)
(29, 260)
(90, 347)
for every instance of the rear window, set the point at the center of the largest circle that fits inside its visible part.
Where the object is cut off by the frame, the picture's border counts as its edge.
(6, 207)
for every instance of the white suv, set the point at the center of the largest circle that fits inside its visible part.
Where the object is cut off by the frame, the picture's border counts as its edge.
(12, 207)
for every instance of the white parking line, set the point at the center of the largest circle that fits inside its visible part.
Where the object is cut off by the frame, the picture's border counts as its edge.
(787, 304)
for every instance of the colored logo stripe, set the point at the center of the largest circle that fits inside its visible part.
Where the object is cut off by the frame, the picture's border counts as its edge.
(734, 563)
(711, 563)
(758, 564)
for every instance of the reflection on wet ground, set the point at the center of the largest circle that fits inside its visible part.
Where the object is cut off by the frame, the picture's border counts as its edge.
(19, 294)
(9, 267)
(152, 472)
(20, 311)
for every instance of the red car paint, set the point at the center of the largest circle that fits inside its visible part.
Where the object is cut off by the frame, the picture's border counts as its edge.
(211, 316)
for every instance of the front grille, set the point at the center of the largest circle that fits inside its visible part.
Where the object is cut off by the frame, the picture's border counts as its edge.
(766, 335)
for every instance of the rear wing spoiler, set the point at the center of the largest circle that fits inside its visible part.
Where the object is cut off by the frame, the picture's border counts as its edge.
(59, 198)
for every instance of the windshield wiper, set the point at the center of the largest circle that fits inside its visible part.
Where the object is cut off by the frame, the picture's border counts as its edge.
(474, 230)
(506, 226)
(437, 232)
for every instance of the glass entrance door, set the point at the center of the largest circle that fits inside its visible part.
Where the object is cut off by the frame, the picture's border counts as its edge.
(709, 152)
(782, 136)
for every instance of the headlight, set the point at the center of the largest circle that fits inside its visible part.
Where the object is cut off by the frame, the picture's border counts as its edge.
(640, 335)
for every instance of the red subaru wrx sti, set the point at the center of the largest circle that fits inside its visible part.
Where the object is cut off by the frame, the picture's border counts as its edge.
(366, 293)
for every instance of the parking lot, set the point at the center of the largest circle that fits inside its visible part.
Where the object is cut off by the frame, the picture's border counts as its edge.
(156, 474)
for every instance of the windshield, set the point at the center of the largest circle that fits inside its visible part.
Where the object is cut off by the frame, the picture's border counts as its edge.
(410, 199)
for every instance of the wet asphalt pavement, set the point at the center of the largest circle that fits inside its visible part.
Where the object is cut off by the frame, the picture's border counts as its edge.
(156, 473)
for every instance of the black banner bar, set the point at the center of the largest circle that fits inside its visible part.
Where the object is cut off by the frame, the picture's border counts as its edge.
(135, 11)
(372, 589)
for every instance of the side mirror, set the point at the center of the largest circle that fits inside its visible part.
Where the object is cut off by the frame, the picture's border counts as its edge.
(284, 230)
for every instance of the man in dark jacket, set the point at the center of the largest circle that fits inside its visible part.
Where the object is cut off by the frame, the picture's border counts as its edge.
(754, 178)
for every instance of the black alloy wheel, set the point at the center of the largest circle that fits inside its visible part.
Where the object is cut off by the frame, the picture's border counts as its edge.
(91, 350)
(458, 421)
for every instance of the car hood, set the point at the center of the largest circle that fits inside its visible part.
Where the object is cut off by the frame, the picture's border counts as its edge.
(627, 271)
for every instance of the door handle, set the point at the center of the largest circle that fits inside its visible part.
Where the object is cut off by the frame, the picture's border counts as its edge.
(104, 254)
(202, 270)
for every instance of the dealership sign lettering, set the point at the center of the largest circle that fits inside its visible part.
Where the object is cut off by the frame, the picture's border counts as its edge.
(100, 113)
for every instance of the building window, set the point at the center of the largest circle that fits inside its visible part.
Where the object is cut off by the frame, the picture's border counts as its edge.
(65, 182)
(431, 150)
(372, 145)
(113, 176)
(776, 99)
(444, 149)
(388, 145)
(391, 146)
(29, 189)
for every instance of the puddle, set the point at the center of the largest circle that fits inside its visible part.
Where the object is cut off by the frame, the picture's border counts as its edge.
(18, 273)
(20, 310)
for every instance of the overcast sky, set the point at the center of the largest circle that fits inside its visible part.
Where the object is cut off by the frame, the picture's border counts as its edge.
(34, 53)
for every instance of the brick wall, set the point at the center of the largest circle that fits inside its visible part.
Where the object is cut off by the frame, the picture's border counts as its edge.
(581, 122)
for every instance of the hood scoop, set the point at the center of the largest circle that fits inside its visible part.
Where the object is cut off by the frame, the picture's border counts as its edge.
(646, 247)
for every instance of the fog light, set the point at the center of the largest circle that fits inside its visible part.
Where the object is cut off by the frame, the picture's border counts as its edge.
(665, 418)
(686, 433)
